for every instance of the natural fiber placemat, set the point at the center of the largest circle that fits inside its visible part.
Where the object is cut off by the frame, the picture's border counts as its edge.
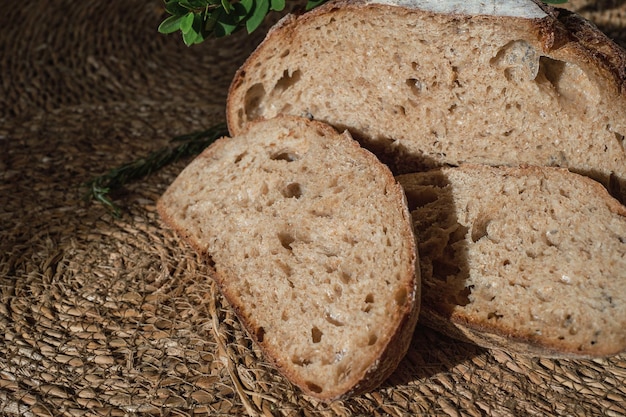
(115, 316)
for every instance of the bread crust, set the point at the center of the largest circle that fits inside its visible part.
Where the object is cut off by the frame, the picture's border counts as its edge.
(405, 316)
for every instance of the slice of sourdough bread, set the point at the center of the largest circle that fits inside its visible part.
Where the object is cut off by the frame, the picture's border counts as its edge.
(312, 245)
(530, 259)
(425, 83)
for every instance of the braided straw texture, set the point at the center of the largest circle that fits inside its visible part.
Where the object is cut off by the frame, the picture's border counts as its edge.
(105, 316)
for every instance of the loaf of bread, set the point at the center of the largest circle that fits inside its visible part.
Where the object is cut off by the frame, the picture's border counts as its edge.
(312, 245)
(530, 259)
(426, 83)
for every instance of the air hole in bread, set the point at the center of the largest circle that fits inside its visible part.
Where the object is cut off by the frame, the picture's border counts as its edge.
(316, 335)
(420, 197)
(369, 298)
(293, 190)
(285, 156)
(372, 339)
(314, 387)
(338, 290)
(239, 157)
(285, 53)
(300, 361)
(287, 80)
(264, 189)
(286, 239)
(415, 86)
(329, 317)
(399, 110)
(401, 296)
(286, 269)
(260, 334)
(494, 315)
(479, 230)
(345, 277)
(252, 101)
(519, 61)
(321, 213)
(572, 84)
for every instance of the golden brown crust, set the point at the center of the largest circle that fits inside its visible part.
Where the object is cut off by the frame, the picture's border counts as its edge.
(603, 50)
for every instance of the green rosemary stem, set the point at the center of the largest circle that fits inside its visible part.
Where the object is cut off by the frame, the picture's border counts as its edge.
(99, 188)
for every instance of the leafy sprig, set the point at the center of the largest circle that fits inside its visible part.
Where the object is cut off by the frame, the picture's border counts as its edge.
(198, 20)
(182, 146)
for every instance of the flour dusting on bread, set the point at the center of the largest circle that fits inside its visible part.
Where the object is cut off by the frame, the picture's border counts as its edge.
(511, 8)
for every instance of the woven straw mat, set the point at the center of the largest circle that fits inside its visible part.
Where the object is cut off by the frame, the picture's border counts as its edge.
(114, 316)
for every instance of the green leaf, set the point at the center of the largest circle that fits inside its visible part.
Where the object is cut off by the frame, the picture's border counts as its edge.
(170, 25)
(311, 4)
(190, 37)
(186, 22)
(227, 6)
(173, 7)
(277, 5)
(226, 24)
(248, 5)
(196, 4)
(261, 8)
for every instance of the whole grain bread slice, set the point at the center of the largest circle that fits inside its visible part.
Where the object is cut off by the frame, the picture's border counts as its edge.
(312, 245)
(529, 259)
(426, 83)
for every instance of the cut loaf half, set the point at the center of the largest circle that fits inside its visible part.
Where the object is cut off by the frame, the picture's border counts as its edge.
(530, 259)
(312, 245)
(425, 83)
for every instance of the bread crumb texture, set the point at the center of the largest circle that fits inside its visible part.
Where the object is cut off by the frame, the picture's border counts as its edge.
(537, 255)
(312, 245)
(422, 89)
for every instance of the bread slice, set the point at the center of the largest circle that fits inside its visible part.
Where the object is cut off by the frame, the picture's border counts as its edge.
(425, 83)
(312, 245)
(530, 259)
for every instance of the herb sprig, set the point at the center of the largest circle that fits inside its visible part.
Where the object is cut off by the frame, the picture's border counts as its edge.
(198, 20)
(182, 146)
